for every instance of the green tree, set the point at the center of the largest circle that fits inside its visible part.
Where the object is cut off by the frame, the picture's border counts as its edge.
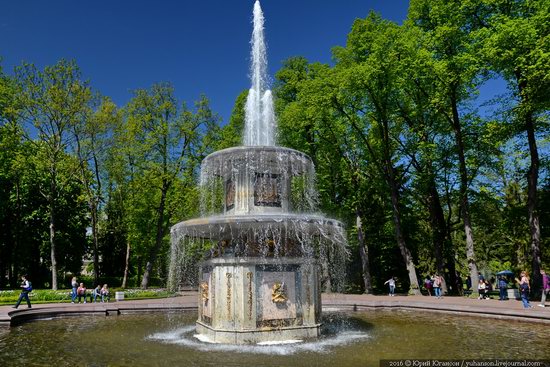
(52, 101)
(91, 139)
(232, 133)
(307, 122)
(171, 141)
(457, 69)
(367, 99)
(515, 39)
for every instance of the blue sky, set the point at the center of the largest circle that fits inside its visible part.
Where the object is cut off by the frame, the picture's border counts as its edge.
(198, 46)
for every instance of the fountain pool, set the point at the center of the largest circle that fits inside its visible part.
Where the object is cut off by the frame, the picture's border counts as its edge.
(347, 339)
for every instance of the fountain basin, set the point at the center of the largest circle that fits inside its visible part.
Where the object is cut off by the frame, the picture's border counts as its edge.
(361, 338)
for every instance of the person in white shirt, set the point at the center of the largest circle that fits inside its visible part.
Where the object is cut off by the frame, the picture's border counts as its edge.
(26, 288)
(391, 283)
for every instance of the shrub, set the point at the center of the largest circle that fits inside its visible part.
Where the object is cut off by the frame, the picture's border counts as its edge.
(48, 295)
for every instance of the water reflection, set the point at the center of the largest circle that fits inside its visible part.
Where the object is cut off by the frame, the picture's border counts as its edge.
(349, 339)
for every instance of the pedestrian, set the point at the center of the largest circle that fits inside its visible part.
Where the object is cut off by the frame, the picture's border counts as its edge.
(391, 283)
(524, 288)
(545, 287)
(74, 286)
(502, 286)
(26, 287)
(437, 285)
(480, 276)
(428, 285)
(468, 282)
(482, 289)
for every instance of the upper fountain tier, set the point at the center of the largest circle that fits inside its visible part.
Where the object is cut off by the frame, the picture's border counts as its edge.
(257, 179)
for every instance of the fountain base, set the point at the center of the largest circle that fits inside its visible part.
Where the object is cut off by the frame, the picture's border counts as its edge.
(253, 300)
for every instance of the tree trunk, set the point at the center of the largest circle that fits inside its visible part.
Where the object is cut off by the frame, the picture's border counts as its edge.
(405, 252)
(440, 230)
(17, 235)
(364, 254)
(52, 245)
(532, 182)
(95, 199)
(93, 210)
(161, 229)
(464, 202)
(437, 219)
(127, 265)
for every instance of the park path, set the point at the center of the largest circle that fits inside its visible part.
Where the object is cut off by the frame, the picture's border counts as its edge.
(511, 309)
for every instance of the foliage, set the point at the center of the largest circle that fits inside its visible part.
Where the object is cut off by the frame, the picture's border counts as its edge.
(424, 179)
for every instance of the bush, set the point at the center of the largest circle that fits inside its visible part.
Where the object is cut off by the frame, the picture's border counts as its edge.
(117, 282)
(50, 296)
(40, 296)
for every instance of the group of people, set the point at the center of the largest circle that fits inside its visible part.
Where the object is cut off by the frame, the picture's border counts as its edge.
(434, 283)
(79, 291)
(525, 288)
(485, 286)
(524, 285)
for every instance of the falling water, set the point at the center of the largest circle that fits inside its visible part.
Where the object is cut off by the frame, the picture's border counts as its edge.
(259, 116)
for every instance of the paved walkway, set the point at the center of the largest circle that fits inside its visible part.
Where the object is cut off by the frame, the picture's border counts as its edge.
(511, 309)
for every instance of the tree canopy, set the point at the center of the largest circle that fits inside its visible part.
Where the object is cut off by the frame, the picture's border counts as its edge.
(428, 174)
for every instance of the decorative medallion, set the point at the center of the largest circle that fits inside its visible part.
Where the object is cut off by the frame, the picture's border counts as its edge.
(278, 293)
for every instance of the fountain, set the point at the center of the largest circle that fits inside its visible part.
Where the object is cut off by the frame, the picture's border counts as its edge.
(267, 253)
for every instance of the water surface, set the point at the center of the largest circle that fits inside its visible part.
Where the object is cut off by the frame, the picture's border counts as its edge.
(349, 339)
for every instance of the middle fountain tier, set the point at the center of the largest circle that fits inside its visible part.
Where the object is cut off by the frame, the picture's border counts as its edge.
(268, 253)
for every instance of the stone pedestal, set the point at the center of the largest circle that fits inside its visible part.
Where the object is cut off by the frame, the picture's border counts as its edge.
(252, 300)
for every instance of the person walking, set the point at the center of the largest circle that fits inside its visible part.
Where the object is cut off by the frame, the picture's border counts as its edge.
(25, 289)
(74, 286)
(502, 287)
(524, 289)
(391, 283)
(482, 289)
(437, 285)
(545, 287)
(428, 285)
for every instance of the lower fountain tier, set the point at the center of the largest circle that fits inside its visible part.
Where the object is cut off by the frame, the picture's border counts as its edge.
(254, 300)
(287, 225)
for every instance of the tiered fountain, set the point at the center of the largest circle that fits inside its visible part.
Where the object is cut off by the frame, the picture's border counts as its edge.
(260, 280)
